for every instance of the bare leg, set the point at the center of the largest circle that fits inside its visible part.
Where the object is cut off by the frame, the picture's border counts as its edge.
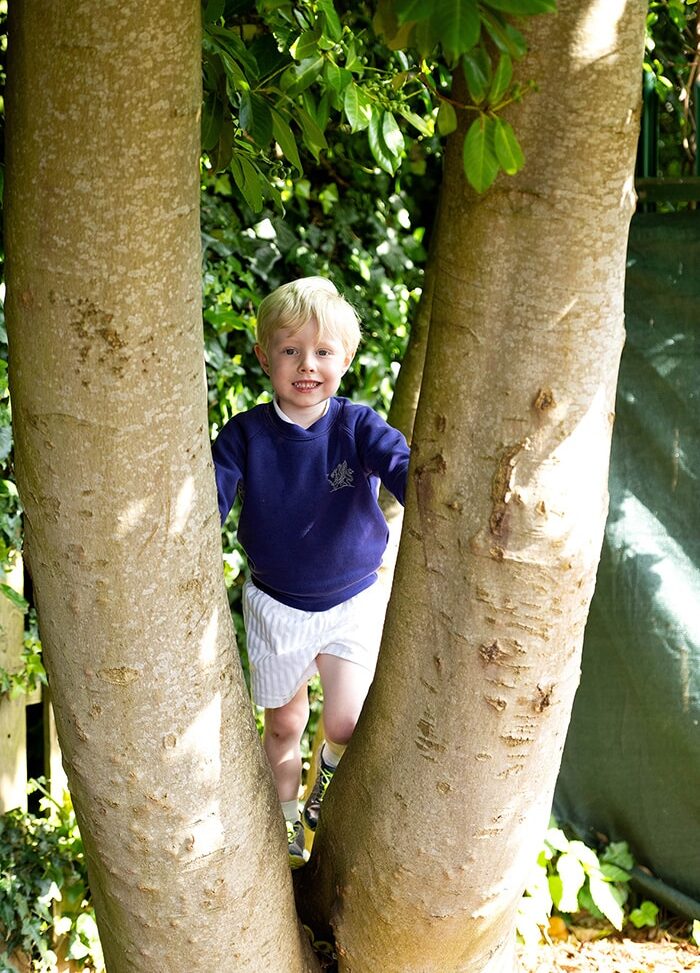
(345, 687)
(284, 726)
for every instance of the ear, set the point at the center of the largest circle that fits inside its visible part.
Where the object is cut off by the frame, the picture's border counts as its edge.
(347, 363)
(262, 358)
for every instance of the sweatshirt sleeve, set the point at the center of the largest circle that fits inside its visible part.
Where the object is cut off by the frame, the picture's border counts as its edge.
(384, 452)
(228, 453)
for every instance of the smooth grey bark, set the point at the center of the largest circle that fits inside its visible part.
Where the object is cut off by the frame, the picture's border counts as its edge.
(182, 829)
(435, 815)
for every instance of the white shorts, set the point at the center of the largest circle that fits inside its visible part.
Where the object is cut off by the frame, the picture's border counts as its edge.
(283, 642)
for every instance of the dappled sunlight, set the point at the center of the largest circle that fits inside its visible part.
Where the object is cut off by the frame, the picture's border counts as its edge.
(208, 646)
(201, 740)
(597, 34)
(567, 497)
(183, 506)
(130, 518)
(640, 534)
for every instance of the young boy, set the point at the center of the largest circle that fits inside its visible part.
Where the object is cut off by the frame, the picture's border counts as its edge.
(307, 467)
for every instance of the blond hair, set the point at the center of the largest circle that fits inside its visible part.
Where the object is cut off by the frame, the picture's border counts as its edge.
(308, 300)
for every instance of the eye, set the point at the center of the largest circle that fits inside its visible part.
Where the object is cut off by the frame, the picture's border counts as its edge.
(288, 351)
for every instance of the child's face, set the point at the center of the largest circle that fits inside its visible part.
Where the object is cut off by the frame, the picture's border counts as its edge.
(305, 369)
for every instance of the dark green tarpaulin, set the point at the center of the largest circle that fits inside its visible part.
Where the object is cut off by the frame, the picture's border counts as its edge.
(631, 767)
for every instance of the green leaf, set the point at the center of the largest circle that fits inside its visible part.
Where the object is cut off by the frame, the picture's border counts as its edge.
(221, 155)
(15, 597)
(213, 11)
(334, 28)
(458, 26)
(446, 118)
(256, 118)
(607, 899)
(572, 877)
(508, 152)
(477, 73)
(313, 136)
(502, 78)
(614, 873)
(618, 853)
(521, 8)
(385, 159)
(212, 117)
(417, 121)
(247, 179)
(391, 133)
(285, 139)
(507, 38)
(333, 76)
(479, 155)
(425, 37)
(645, 915)
(305, 74)
(358, 109)
(413, 10)
(305, 46)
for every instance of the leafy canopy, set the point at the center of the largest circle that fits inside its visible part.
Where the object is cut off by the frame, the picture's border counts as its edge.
(279, 75)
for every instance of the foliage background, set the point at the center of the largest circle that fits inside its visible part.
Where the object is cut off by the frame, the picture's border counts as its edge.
(323, 158)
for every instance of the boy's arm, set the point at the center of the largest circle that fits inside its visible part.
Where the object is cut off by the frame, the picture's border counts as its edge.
(384, 451)
(228, 454)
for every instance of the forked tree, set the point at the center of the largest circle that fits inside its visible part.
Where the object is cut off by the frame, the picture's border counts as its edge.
(424, 845)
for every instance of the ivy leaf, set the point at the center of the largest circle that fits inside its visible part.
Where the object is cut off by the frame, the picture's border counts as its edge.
(446, 118)
(358, 109)
(458, 26)
(508, 152)
(479, 155)
(502, 77)
(523, 7)
(645, 915)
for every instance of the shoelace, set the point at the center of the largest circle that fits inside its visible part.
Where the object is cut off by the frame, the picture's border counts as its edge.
(324, 778)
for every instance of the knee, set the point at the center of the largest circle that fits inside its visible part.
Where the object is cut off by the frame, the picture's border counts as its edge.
(285, 722)
(339, 727)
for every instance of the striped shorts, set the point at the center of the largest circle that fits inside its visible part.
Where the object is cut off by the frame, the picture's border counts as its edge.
(283, 642)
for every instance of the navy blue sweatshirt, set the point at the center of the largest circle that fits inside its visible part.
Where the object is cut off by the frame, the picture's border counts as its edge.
(310, 523)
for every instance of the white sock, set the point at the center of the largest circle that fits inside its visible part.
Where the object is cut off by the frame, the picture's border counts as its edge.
(290, 809)
(331, 753)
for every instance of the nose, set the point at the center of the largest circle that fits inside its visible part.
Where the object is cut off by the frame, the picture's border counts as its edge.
(307, 362)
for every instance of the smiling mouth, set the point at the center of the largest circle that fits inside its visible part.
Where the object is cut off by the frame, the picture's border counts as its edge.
(305, 386)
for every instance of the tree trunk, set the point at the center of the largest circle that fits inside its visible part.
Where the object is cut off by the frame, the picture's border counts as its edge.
(434, 818)
(182, 829)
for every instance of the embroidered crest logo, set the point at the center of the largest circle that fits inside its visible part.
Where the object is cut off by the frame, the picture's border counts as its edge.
(341, 476)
